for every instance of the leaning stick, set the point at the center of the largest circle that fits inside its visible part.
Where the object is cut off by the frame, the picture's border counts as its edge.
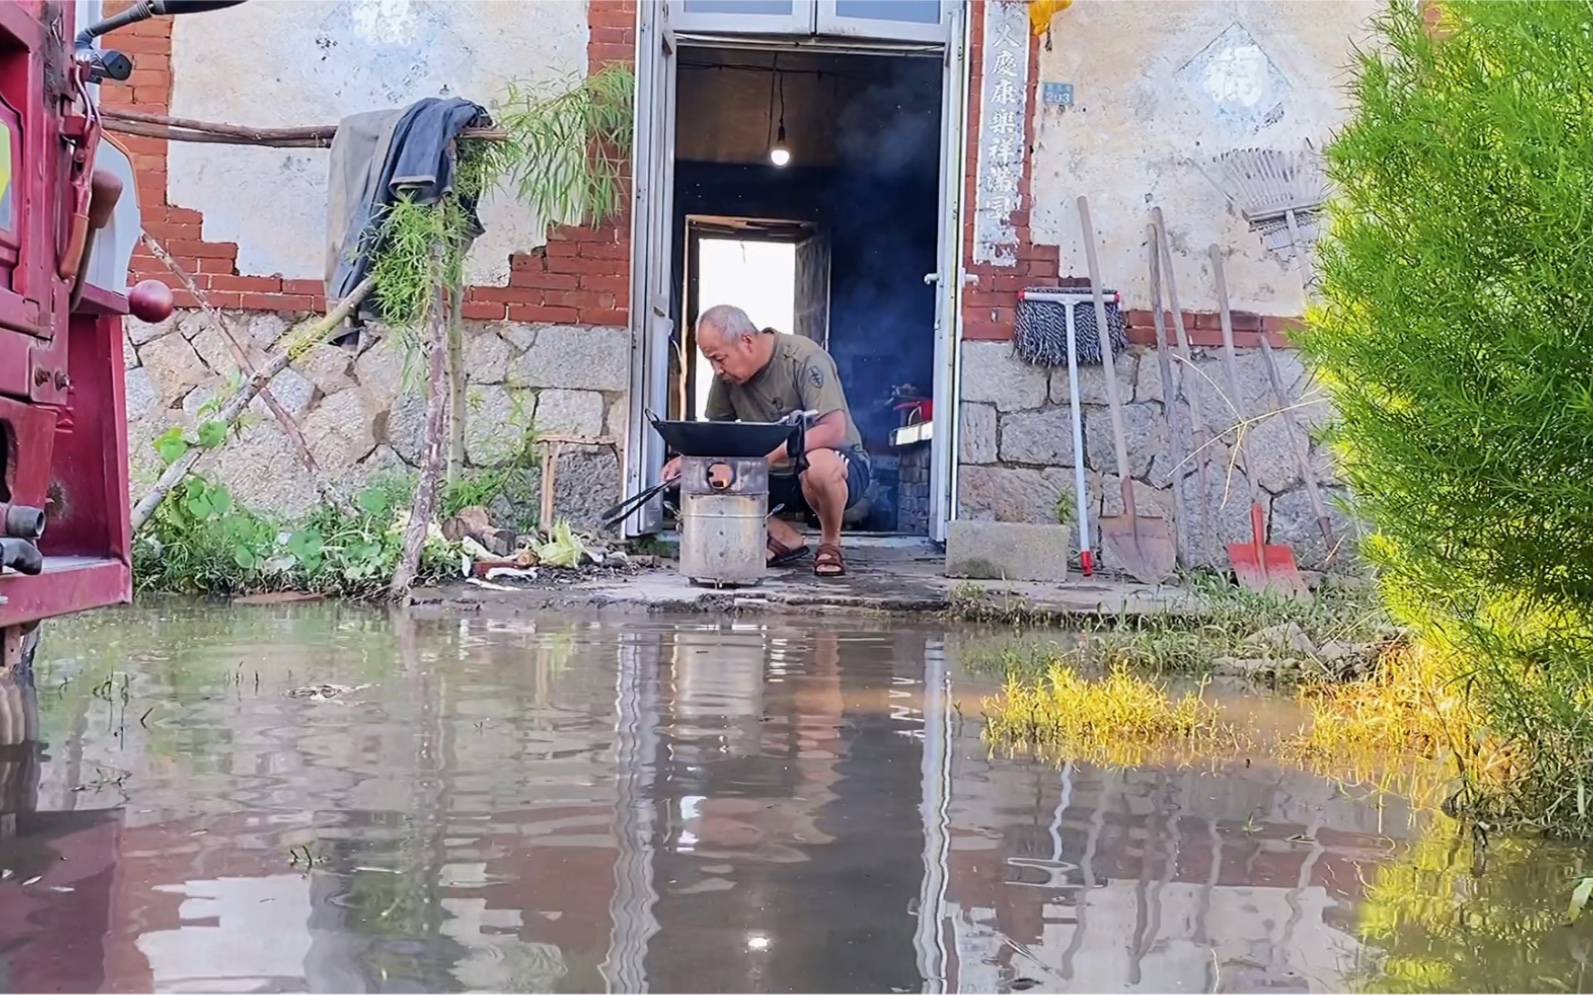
(317, 333)
(218, 321)
(182, 129)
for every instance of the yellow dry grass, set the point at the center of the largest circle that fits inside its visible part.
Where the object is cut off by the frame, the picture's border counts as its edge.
(1409, 704)
(1119, 719)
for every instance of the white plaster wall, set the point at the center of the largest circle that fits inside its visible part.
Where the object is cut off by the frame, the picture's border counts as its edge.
(280, 63)
(1138, 125)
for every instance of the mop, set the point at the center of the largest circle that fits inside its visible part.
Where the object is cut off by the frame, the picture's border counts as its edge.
(1047, 315)
(1056, 326)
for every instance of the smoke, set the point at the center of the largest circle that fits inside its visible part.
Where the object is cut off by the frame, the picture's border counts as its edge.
(890, 127)
(883, 210)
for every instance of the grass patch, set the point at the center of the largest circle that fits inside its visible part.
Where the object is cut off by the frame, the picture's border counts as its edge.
(1408, 705)
(1121, 718)
(1339, 628)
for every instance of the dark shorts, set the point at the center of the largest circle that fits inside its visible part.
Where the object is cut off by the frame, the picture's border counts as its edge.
(784, 488)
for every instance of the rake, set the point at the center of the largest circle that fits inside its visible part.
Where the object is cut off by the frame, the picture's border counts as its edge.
(1280, 193)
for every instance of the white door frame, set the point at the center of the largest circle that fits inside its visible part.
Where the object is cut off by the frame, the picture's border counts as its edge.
(652, 246)
(652, 250)
(947, 382)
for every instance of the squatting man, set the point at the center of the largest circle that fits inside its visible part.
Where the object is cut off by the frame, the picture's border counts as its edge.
(762, 375)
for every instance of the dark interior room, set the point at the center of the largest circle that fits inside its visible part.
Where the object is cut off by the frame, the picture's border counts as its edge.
(862, 137)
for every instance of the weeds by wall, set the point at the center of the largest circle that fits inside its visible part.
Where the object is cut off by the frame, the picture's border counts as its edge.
(202, 541)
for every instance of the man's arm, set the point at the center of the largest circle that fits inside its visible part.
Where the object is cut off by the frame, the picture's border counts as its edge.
(819, 389)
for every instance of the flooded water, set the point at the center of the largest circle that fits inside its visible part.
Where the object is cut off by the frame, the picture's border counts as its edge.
(550, 804)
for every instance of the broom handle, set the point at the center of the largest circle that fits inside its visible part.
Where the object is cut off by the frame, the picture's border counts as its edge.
(1119, 436)
(1175, 438)
(1189, 377)
(1080, 490)
(1302, 261)
(1230, 363)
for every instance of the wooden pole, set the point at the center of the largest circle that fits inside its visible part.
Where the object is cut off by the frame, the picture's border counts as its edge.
(457, 384)
(424, 507)
(182, 129)
(319, 332)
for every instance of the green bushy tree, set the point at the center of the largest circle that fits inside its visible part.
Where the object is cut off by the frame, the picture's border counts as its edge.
(1455, 335)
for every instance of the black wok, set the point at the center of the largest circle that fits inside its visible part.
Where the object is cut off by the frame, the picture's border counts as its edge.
(729, 439)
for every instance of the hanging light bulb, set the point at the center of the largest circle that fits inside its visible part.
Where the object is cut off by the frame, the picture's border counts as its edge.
(779, 154)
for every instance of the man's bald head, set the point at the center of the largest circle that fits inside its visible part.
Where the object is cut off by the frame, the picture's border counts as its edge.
(725, 322)
(733, 345)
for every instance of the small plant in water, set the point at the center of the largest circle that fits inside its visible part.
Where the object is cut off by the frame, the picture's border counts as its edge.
(1408, 705)
(1120, 718)
(301, 856)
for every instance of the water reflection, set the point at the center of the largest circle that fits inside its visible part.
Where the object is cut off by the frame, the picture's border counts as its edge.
(549, 804)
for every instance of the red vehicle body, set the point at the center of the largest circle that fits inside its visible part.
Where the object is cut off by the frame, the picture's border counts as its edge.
(63, 425)
(65, 536)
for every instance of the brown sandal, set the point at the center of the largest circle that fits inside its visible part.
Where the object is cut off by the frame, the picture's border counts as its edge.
(828, 561)
(780, 554)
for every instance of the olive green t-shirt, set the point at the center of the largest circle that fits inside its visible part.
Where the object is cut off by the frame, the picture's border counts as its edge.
(800, 376)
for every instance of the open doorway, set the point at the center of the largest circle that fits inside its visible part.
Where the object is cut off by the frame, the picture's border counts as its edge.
(807, 190)
(776, 271)
(757, 276)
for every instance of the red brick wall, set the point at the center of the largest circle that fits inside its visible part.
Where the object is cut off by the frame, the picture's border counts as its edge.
(1205, 328)
(579, 277)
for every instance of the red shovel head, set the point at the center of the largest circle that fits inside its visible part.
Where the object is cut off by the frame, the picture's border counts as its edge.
(1264, 567)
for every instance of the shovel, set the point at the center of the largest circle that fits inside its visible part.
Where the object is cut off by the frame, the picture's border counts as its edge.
(1144, 546)
(1188, 383)
(1258, 565)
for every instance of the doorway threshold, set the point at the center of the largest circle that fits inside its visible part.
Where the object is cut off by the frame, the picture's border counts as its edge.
(879, 546)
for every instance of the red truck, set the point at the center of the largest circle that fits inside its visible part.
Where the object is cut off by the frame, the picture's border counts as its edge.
(68, 223)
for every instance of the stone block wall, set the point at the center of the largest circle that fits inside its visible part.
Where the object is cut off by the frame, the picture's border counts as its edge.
(362, 412)
(912, 491)
(1016, 449)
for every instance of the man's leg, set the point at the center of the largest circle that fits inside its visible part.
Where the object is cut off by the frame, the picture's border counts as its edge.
(782, 532)
(785, 543)
(824, 487)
